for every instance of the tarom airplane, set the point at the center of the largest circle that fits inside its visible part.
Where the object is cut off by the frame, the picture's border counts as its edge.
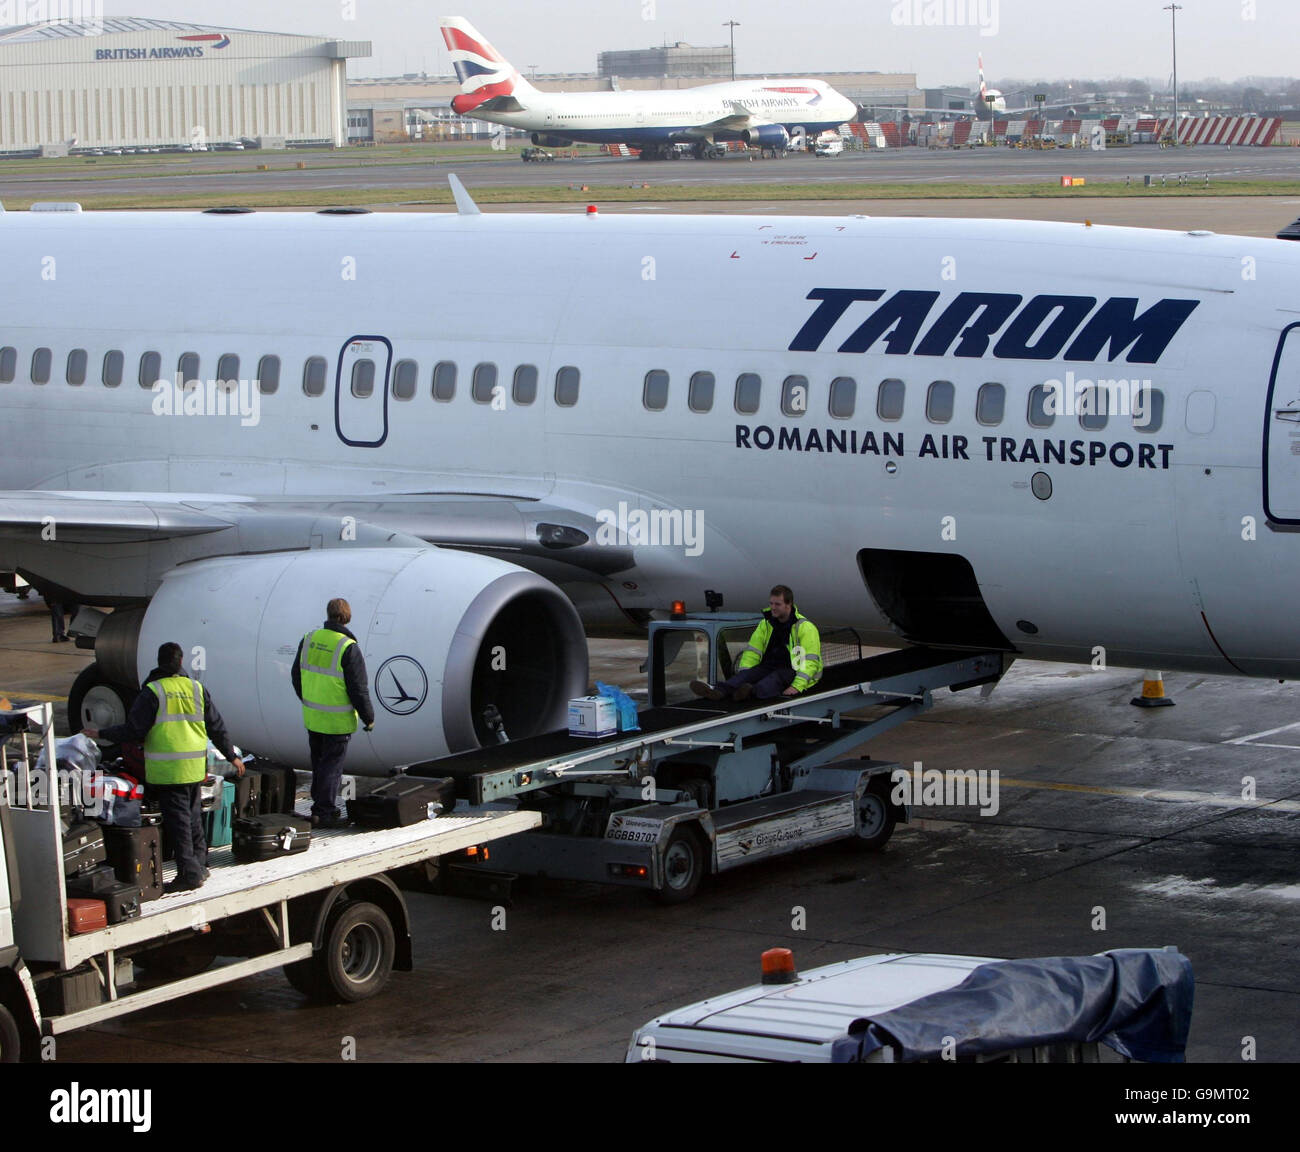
(495, 433)
(762, 113)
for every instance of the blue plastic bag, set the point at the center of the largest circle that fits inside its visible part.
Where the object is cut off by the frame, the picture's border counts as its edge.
(626, 706)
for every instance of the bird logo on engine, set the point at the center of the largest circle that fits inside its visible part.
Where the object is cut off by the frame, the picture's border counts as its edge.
(401, 685)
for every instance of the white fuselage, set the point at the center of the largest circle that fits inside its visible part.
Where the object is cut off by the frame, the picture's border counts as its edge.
(1153, 545)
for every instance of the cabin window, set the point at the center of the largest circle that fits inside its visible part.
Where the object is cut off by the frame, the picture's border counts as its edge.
(990, 404)
(8, 365)
(313, 376)
(76, 371)
(1094, 408)
(1148, 409)
(187, 367)
(566, 386)
(406, 374)
(444, 381)
(844, 397)
(699, 397)
(749, 385)
(114, 365)
(939, 402)
(889, 399)
(42, 359)
(268, 374)
(363, 378)
(794, 395)
(525, 384)
(228, 369)
(654, 393)
(484, 383)
(1039, 415)
(150, 369)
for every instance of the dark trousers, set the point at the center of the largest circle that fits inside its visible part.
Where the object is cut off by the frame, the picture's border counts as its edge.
(327, 752)
(58, 625)
(767, 681)
(182, 815)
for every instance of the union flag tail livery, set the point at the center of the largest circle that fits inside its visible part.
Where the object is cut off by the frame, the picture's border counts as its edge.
(484, 74)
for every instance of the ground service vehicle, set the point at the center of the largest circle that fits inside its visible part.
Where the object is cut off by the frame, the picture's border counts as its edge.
(333, 916)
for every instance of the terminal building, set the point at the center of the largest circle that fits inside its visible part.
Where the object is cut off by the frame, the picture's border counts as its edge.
(133, 83)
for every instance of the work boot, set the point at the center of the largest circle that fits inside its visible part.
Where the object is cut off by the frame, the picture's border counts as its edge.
(706, 690)
(744, 692)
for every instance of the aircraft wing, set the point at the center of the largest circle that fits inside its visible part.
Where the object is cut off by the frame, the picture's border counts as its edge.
(106, 516)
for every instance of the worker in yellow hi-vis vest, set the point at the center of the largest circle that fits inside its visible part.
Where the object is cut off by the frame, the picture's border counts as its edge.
(329, 675)
(174, 717)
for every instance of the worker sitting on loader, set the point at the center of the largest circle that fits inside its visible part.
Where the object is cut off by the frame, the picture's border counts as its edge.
(783, 656)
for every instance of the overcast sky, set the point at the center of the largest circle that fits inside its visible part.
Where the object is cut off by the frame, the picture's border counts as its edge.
(937, 39)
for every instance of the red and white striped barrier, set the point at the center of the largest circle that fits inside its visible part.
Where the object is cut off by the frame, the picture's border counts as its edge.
(1250, 130)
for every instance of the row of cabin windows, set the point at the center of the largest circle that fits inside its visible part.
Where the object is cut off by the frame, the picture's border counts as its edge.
(315, 375)
(940, 398)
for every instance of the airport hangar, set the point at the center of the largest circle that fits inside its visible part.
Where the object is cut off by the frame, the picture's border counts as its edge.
(133, 83)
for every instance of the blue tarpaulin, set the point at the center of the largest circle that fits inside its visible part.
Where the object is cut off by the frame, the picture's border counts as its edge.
(1137, 1001)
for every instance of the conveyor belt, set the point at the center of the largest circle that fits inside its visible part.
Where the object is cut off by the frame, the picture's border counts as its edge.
(661, 722)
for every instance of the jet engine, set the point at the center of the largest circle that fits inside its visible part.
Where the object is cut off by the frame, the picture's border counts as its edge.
(445, 634)
(767, 136)
(545, 140)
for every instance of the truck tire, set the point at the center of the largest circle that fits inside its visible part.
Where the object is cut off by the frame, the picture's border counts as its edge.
(94, 701)
(303, 977)
(684, 865)
(874, 818)
(356, 959)
(11, 1044)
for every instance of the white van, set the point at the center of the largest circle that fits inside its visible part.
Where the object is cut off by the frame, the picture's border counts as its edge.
(829, 146)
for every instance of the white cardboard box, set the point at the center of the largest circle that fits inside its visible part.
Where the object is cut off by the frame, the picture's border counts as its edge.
(592, 716)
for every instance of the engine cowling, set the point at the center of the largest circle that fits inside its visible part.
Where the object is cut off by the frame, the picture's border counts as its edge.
(767, 136)
(545, 140)
(443, 633)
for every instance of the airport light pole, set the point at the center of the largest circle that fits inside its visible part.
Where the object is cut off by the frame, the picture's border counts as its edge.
(1173, 10)
(732, 25)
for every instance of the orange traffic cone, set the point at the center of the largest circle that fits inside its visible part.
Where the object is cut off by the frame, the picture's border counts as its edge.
(1153, 692)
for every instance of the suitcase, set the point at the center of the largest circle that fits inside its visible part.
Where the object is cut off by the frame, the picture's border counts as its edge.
(406, 800)
(136, 856)
(269, 837)
(86, 916)
(248, 793)
(83, 848)
(89, 885)
(218, 818)
(121, 902)
(279, 788)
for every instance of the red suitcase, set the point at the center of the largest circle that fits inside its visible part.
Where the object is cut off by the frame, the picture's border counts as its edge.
(86, 916)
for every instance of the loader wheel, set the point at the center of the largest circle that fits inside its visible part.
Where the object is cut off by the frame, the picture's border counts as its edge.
(683, 866)
(302, 976)
(874, 819)
(357, 957)
(10, 1041)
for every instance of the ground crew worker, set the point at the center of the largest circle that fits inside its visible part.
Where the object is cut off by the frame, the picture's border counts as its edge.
(783, 656)
(329, 675)
(174, 717)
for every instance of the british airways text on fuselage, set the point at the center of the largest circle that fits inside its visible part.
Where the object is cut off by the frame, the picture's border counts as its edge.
(1042, 327)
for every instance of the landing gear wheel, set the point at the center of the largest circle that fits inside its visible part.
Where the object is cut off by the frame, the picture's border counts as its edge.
(357, 957)
(683, 866)
(10, 1040)
(874, 819)
(94, 702)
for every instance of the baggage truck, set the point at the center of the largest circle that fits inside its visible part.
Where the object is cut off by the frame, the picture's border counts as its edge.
(334, 916)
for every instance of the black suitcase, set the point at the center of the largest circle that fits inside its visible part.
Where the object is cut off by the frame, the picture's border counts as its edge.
(83, 848)
(122, 902)
(248, 793)
(406, 800)
(136, 856)
(269, 837)
(279, 788)
(89, 885)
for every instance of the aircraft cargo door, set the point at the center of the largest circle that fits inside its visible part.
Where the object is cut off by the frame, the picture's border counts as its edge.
(361, 391)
